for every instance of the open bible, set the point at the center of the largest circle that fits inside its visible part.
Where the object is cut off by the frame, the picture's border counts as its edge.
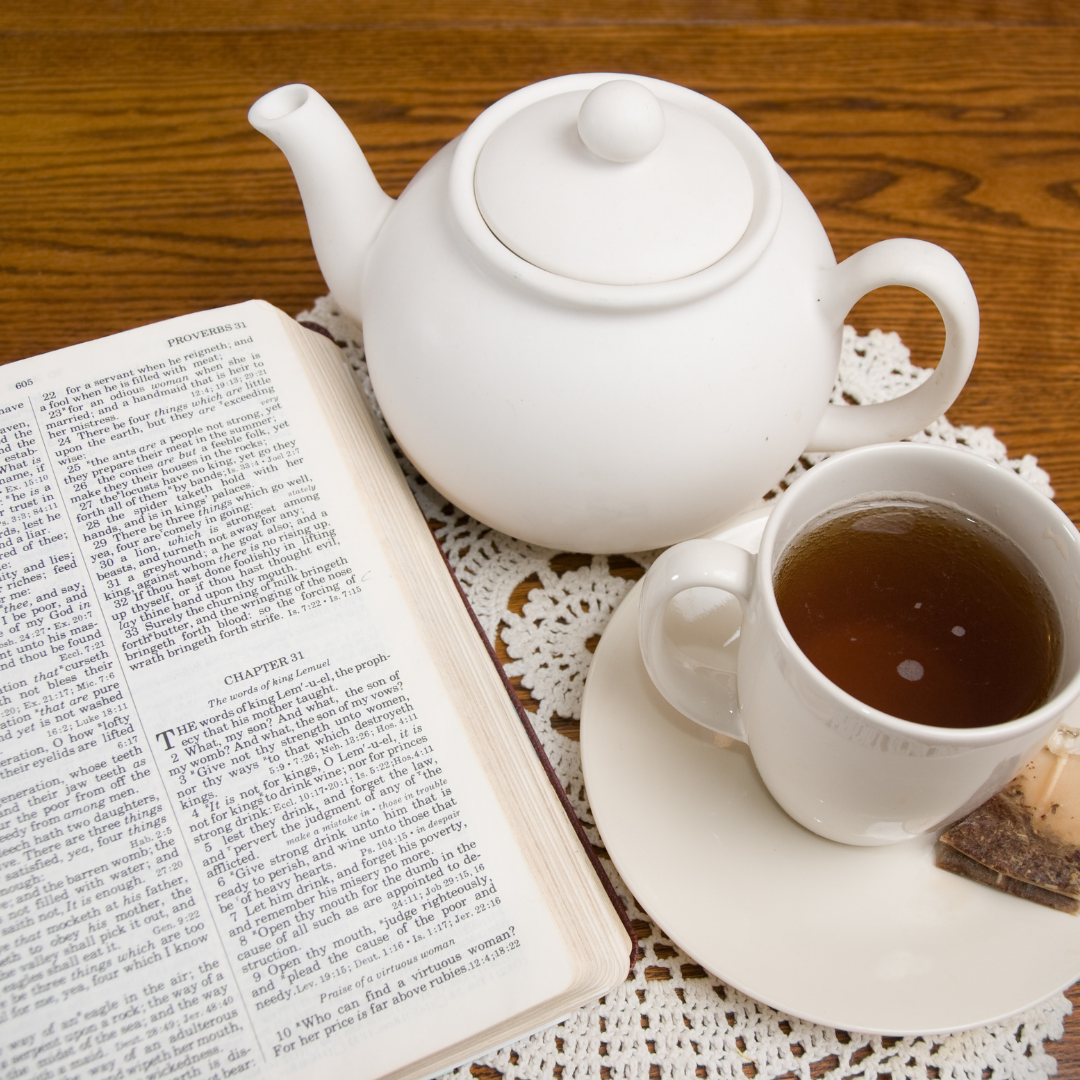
(266, 805)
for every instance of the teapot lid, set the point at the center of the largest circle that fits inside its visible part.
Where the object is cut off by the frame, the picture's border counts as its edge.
(614, 185)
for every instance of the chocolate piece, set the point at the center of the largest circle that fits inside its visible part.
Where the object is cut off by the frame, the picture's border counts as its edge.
(950, 859)
(999, 845)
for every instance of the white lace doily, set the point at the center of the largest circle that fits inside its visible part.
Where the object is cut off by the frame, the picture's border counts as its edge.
(545, 611)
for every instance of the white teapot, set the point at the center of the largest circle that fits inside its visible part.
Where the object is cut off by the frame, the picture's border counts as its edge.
(604, 319)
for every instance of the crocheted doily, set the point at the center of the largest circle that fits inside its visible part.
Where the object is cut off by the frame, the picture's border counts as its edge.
(544, 612)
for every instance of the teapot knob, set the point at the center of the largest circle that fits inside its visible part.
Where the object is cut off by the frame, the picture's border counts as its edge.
(621, 120)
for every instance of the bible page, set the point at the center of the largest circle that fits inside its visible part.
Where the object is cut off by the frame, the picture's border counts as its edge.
(240, 831)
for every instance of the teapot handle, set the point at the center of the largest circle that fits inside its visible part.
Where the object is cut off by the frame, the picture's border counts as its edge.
(933, 271)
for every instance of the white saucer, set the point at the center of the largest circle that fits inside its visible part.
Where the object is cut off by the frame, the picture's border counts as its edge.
(864, 939)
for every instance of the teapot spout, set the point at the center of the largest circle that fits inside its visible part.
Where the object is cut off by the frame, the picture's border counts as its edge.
(344, 204)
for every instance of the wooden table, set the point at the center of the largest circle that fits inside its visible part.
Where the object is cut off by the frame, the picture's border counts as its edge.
(132, 188)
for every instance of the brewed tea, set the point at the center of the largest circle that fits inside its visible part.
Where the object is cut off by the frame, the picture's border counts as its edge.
(922, 611)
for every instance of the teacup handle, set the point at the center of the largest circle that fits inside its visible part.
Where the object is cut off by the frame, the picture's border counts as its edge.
(708, 696)
(933, 271)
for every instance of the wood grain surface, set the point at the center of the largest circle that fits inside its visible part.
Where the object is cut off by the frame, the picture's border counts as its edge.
(132, 188)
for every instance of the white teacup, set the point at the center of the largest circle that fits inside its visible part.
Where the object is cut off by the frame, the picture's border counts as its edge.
(839, 767)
